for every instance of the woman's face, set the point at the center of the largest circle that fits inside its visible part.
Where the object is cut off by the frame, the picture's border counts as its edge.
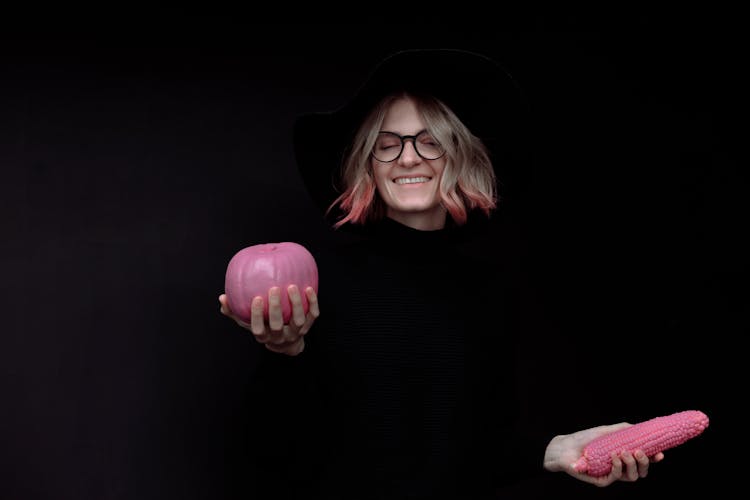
(409, 184)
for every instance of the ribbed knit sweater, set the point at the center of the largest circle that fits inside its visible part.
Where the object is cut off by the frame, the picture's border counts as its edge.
(407, 385)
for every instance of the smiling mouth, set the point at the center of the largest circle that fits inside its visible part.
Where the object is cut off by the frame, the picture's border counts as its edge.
(411, 180)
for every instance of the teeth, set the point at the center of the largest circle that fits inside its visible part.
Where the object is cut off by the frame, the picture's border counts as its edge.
(411, 180)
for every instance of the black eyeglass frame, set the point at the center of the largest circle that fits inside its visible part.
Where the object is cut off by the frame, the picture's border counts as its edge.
(403, 139)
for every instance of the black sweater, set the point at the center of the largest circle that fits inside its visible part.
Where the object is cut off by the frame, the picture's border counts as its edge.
(407, 385)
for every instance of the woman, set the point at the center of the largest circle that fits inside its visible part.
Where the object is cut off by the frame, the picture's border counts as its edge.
(406, 386)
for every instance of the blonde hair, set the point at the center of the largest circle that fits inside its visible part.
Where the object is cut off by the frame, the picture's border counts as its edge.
(468, 181)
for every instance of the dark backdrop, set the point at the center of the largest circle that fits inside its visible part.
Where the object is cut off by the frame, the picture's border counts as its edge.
(136, 162)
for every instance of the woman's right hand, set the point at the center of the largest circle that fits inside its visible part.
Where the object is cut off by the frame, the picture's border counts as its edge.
(274, 334)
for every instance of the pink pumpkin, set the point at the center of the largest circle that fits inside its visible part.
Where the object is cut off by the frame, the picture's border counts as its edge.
(255, 269)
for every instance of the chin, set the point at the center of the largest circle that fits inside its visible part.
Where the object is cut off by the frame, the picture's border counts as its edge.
(416, 205)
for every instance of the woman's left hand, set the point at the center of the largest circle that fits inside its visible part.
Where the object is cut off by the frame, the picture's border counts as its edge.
(564, 450)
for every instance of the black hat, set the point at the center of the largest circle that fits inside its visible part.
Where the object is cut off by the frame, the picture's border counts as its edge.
(478, 90)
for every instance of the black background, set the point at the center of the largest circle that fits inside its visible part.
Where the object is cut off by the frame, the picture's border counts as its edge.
(135, 162)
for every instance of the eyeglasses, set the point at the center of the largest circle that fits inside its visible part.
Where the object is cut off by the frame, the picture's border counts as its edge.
(389, 146)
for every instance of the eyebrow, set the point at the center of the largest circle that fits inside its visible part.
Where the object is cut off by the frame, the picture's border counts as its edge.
(405, 135)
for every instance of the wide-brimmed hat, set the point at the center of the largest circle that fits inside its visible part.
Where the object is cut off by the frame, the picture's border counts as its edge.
(481, 92)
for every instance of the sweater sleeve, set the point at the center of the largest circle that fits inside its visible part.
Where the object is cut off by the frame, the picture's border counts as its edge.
(529, 399)
(547, 403)
(282, 412)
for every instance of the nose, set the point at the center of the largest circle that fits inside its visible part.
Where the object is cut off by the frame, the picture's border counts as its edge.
(409, 156)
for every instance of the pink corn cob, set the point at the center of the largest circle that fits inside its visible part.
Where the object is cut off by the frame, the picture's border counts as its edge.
(651, 437)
